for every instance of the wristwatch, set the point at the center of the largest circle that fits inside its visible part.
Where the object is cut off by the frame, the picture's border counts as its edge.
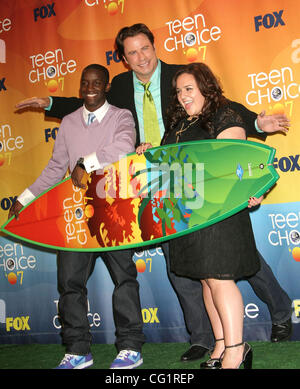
(80, 163)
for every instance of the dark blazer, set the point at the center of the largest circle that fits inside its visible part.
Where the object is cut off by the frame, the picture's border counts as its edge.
(121, 94)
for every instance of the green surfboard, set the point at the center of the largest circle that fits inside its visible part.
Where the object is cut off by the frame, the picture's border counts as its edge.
(167, 192)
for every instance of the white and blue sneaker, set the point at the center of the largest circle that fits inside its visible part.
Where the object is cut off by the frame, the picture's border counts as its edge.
(71, 361)
(127, 359)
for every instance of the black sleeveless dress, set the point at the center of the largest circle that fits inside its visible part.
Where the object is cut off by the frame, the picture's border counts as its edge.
(225, 250)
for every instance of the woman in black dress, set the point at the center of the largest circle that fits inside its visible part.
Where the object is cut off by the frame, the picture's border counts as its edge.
(224, 252)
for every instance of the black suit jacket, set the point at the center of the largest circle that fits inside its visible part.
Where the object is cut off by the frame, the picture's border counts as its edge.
(121, 94)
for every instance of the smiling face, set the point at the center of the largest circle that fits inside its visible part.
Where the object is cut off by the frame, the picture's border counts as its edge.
(189, 95)
(93, 88)
(140, 55)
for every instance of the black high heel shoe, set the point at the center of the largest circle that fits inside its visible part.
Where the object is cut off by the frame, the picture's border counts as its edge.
(212, 363)
(247, 355)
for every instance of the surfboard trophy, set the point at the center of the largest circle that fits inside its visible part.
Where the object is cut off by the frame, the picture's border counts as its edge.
(167, 192)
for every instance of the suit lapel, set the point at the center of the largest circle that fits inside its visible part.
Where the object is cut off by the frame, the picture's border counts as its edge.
(166, 76)
(129, 104)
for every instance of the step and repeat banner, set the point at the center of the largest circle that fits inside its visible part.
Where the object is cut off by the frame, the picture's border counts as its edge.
(254, 48)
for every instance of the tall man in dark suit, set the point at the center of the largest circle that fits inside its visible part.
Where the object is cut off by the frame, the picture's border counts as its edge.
(136, 48)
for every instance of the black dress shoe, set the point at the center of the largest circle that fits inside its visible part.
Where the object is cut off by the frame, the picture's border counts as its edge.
(194, 353)
(281, 332)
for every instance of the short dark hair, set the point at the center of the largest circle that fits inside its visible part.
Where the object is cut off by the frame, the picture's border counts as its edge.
(126, 32)
(100, 68)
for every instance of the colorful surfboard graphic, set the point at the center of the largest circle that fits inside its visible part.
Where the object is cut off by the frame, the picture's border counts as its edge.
(167, 192)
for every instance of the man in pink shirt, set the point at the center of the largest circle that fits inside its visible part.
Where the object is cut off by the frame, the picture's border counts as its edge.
(88, 139)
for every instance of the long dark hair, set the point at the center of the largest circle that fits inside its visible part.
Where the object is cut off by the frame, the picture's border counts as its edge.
(209, 87)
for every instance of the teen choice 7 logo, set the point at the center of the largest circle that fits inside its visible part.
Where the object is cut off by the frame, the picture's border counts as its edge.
(296, 253)
(114, 7)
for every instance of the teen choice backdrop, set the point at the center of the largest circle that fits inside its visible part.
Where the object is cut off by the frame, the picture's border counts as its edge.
(254, 48)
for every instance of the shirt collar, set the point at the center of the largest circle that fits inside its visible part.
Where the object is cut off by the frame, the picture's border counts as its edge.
(99, 113)
(155, 78)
